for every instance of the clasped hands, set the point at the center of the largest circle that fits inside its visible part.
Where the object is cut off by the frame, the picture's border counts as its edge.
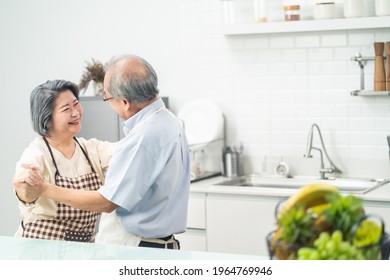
(29, 184)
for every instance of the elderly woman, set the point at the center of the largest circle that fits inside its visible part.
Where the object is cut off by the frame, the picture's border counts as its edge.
(62, 159)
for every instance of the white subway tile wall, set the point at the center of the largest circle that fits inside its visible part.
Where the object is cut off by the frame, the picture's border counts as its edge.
(272, 87)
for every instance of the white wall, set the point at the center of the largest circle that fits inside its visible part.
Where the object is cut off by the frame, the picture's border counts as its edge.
(45, 39)
(271, 88)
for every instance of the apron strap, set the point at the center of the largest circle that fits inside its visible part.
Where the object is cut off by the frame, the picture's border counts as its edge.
(85, 154)
(52, 156)
(54, 162)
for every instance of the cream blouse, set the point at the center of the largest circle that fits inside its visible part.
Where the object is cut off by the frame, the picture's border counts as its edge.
(37, 153)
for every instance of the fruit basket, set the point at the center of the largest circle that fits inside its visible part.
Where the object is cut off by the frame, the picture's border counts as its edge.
(319, 223)
(381, 249)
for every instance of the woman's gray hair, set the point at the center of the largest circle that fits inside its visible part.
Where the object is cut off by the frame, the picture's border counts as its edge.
(42, 103)
(136, 84)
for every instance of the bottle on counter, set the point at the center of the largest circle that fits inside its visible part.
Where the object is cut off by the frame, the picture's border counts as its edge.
(232, 160)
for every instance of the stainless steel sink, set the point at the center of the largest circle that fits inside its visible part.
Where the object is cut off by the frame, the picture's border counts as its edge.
(345, 185)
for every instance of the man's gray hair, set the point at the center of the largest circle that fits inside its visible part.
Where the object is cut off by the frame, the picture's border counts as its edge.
(136, 84)
(42, 103)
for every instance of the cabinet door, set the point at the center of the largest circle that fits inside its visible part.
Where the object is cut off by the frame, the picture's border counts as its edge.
(196, 217)
(193, 240)
(239, 224)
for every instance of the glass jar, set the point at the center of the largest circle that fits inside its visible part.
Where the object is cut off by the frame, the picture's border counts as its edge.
(275, 10)
(237, 11)
(228, 10)
(260, 9)
(292, 13)
(382, 7)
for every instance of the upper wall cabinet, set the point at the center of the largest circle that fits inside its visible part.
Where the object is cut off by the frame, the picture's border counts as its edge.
(307, 25)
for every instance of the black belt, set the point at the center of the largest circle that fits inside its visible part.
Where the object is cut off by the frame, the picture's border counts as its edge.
(155, 245)
(170, 245)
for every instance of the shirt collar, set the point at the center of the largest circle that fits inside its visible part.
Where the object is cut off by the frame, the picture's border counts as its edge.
(129, 124)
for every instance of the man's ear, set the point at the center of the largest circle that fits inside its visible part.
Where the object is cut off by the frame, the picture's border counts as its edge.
(126, 103)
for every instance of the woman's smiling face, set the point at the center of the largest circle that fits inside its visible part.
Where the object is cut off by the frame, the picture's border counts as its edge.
(66, 116)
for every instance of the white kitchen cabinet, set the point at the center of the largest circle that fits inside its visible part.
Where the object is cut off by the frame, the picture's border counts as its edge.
(239, 223)
(196, 217)
(237, 220)
(194, 238)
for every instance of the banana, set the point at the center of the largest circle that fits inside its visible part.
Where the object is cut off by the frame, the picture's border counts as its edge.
(308, 196)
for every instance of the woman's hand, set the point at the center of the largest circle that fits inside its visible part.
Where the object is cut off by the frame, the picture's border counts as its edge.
(28, 185)
(30, 175)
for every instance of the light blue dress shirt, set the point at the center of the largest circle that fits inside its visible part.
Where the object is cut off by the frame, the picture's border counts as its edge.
(149, 174)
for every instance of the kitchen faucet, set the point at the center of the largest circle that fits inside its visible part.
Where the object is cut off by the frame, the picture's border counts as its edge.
(309, 147)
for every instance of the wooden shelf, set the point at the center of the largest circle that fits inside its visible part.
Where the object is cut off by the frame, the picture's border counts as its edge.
(306, 25)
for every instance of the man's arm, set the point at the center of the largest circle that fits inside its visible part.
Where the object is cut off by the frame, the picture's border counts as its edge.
(80, 199)
(32, 183)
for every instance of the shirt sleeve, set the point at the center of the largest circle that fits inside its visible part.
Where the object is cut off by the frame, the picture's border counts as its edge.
(34, 155)
(129, 176)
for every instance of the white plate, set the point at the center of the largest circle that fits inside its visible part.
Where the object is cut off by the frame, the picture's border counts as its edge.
(203, 121)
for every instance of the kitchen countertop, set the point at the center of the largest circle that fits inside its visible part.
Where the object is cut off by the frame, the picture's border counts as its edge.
(16, 248)
(381, 193)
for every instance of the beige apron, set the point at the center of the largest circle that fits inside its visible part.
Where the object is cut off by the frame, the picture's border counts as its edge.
(69, 223)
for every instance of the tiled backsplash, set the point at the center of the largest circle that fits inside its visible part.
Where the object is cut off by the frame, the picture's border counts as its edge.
(272, 87)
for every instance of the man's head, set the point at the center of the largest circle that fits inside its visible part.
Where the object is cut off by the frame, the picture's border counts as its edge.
(132, 78)
(130, 84)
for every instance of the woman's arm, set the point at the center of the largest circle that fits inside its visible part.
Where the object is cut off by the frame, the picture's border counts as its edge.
(25, 192)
